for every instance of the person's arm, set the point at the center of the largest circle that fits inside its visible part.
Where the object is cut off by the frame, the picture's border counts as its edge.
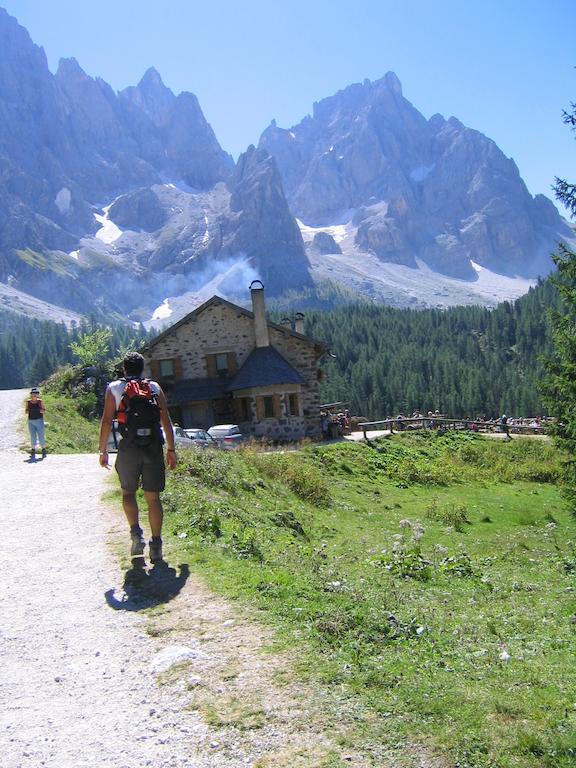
(105, 427)
(42, 408)
(26, 407)
(166, 422)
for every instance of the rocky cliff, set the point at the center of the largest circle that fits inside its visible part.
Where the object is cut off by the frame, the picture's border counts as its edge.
(410, 189)
(112, 200)
(126, 203)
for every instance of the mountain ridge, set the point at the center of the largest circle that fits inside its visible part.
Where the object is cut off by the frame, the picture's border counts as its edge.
(127, 202)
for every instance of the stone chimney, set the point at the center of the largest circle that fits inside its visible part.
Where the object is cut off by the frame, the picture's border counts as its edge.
(259, 309)
(299, 323)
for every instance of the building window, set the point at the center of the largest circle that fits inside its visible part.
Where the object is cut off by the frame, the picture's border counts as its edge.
(166, 369)
(293, 405)
(268, 407)
(244, 409)
(222, 364)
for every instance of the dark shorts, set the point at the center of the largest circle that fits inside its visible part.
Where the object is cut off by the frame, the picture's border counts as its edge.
(140, 466)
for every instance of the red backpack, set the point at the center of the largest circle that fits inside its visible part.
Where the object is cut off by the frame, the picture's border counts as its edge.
(139, 414)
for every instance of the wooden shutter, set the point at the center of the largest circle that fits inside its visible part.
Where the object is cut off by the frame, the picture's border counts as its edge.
(232, 363)
(259, 408)
(155, 369)
(277, 407)
(177, 368)
(211, 370)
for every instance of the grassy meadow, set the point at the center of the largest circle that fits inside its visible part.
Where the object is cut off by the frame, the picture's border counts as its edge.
(428, 578)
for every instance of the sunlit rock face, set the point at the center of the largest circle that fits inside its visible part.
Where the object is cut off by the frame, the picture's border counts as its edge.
(415, 189)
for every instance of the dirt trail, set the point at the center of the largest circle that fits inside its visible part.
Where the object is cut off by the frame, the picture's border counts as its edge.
(187, 683)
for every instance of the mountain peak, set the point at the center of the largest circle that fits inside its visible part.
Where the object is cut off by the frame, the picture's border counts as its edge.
(151, 96)
(393, 83)
(70, 69)
(152, 79)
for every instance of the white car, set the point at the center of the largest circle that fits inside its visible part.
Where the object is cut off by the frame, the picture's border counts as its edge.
(181, 439)
(227, 436)
(201, 438)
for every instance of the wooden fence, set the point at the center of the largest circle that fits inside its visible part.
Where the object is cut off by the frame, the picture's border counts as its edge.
(439, 422)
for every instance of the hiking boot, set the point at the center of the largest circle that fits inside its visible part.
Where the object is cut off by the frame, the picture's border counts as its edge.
(155, 547)
(138, 543)
(43, 453)
(33, 454)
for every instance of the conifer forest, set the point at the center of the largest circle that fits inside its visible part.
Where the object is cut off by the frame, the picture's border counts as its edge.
(464, 361)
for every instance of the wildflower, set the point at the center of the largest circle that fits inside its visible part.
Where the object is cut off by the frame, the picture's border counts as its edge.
(417, 532)
(504, 656)
(551, 526)
(405, 524)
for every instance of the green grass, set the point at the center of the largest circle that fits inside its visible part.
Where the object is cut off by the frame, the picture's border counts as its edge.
(431, 577)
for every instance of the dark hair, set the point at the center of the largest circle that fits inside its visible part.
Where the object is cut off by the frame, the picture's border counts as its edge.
(133, 364)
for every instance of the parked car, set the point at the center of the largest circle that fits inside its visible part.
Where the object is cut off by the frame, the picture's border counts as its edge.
(201, 438)
(181, 439)
(227, 436)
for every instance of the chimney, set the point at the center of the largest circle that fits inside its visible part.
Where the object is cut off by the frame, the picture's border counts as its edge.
(286, 322)
(259, 309)
(299, 323)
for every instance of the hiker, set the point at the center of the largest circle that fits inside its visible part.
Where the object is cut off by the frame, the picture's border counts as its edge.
(35, 412)
(504, 426)
(140, 456)
(325, 424)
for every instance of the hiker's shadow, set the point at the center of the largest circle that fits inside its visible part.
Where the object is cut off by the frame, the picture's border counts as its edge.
(144, 588)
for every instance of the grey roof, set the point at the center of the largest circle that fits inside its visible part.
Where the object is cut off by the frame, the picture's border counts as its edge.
(186, 390)
(264, 366)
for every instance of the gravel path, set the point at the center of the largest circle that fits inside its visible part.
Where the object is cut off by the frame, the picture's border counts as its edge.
(75, 678)
(87, 686)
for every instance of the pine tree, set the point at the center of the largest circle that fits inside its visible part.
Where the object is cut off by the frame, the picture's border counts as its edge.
(560, 385)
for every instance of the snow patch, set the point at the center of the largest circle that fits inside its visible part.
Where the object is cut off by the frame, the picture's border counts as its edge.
(63, 200)
(74, 254)
(108, 232)
(163, 311)
(292, 134)
(206, 235)
(338, 231)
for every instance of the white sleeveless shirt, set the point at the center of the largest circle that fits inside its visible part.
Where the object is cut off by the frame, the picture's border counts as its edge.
(117, 388)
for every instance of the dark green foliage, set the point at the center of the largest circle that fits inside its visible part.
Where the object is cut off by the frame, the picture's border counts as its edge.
(464, 361)
(31, 350)
(560, 383)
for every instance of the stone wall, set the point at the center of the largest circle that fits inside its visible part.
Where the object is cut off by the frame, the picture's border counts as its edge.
(220, 328)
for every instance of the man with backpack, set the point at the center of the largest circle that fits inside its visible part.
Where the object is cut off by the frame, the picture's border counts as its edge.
(142, 412)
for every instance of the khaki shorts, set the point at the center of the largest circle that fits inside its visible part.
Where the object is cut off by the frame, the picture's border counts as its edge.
(137, 466)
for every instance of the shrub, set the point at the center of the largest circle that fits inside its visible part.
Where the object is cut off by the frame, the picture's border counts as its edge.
(448, 514)
(301, 477)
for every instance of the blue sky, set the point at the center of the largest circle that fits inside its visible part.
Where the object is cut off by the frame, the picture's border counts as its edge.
(504, 67)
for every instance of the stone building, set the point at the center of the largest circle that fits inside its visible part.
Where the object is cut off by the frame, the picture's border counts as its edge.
(223, 364)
